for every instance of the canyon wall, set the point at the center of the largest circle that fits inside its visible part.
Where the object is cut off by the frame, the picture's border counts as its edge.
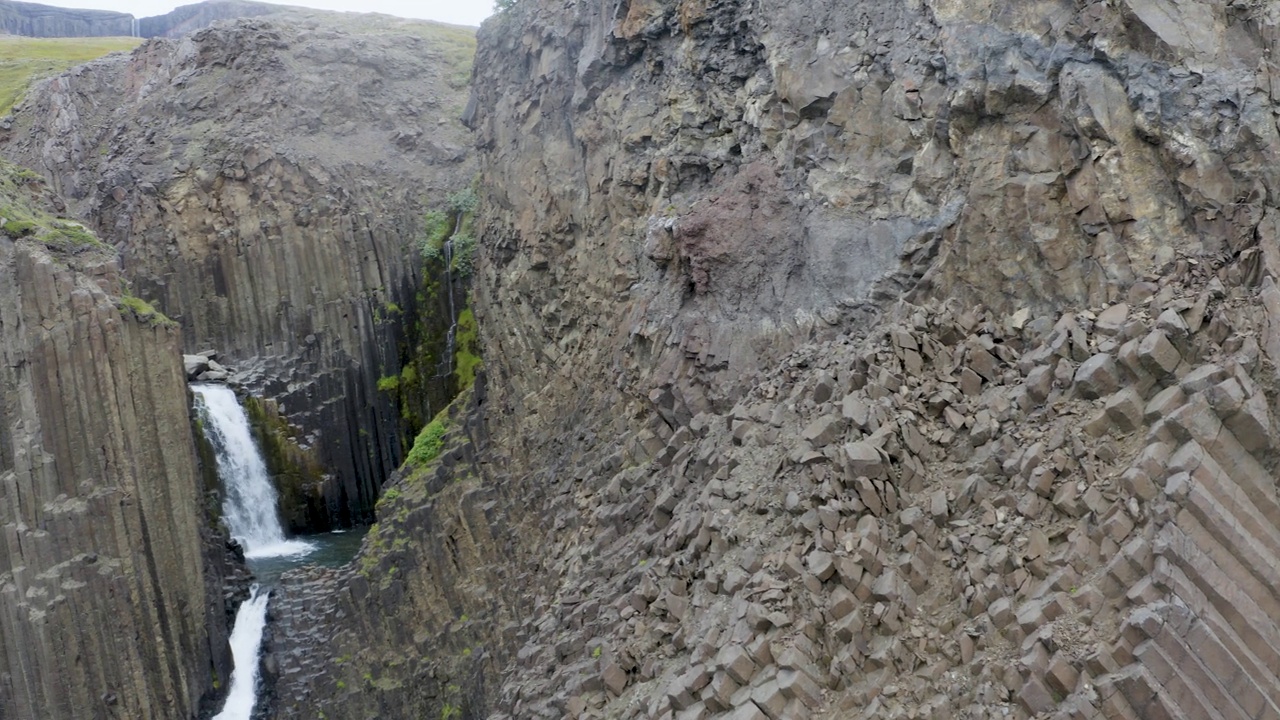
(854, 359)
(673, 183)
(264, 183)
(35, 20)
(189, 18)
(111, 574)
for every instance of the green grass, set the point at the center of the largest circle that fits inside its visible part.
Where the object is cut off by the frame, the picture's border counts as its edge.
(26, 60)
(454, 44)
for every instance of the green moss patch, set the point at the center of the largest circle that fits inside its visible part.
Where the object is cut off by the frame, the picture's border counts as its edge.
(297, 473)
(430, 441)
(143, 310)
(22, 199)
(466, 357)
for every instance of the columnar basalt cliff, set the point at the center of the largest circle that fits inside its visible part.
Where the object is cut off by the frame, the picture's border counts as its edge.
(111, 577)
(265, 184)
(855, 359)
(36, 20)
(189, 18)
(842, 358)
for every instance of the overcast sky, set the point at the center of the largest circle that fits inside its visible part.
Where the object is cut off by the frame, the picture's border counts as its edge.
(461, 12)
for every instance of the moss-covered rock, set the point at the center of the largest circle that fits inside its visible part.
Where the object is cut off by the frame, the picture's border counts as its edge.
(429, 377)
(25, 204)
(298, 474)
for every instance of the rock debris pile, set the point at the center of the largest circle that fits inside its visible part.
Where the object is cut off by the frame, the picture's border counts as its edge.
(964, 516)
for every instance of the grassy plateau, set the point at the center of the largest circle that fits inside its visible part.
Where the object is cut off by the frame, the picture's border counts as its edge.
(24, 60)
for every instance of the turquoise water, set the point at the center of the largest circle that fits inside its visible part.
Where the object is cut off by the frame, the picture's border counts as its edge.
(331, 550)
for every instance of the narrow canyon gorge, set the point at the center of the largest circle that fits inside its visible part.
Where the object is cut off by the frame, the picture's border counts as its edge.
(670, 359)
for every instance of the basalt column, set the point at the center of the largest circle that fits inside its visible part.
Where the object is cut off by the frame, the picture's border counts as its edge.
(110, 587)
(265, 183)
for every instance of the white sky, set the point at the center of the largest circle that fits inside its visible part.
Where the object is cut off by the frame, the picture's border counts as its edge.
(460, 12)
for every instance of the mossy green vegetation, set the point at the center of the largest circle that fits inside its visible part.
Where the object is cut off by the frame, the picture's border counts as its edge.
(389, 496)
(25, 60)
(454, 222)
(464, 254)
(436, 227)
(17, 228)
(143, 310)
(428, 378)
(22, 197)
(430, 441)
(297, 473)
(466, 358)
(390, 534)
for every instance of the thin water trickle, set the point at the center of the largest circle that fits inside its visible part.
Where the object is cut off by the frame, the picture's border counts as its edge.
(446, 365)
(246, 643)
(249, 499)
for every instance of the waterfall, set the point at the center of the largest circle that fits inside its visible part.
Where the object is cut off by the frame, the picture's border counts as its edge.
(246, 641)
(446, 365)
(249, 504)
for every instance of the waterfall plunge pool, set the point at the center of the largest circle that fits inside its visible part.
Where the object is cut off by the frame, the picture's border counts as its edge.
(333, 549)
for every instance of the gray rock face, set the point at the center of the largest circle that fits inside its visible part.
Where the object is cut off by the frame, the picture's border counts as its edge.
(265, 185)
(693, 212)
(35, 20)
(194, 365)
(1039, 159)
(111, 583)
(189, 18)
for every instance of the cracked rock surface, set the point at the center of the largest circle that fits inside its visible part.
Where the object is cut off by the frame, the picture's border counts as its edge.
(853, 359)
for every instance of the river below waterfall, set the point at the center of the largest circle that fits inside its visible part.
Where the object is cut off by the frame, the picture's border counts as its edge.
(246, 644)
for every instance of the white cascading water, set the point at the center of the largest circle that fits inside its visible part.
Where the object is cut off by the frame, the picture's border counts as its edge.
(249, 504)
(246, 640)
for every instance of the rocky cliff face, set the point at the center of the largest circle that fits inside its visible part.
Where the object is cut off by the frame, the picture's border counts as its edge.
(111, 597)
(865, 360)
(189, 18)
(265, 185)
(35, 20)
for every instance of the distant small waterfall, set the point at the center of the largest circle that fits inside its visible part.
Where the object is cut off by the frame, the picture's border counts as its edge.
(246, 642)
(249, 500)
(446, 368)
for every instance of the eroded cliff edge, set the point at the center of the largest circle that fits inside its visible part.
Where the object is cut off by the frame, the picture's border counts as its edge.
(37, 20)
(264, 182)
(106, 538)
(907, 360)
